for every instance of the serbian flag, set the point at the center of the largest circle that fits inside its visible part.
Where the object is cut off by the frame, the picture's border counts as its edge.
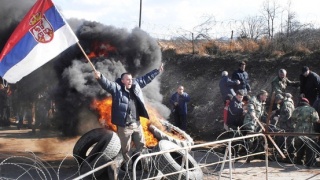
(41, 35)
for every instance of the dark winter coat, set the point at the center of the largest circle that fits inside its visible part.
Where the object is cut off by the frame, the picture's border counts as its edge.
(120, 97)
(182, 100)
(310, 86)
(243, 77)
(235, 113)
(226, 87)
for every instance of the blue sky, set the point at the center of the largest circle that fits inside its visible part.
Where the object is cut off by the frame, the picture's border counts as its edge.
(165, 17)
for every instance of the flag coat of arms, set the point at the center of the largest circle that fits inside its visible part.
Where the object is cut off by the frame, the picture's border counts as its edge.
(40, 36)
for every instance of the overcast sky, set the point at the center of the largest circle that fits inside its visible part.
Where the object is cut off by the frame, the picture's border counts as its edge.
(163, 17)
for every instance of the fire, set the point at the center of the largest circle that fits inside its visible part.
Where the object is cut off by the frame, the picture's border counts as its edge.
(104, 109)
(101, 49)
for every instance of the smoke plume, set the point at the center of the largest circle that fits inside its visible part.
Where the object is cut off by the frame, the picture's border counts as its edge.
(69, 77)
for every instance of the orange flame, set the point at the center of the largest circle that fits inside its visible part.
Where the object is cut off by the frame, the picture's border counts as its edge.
(101, 49)
(104, 109)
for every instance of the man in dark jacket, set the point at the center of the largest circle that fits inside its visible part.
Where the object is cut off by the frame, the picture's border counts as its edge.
(127, 106)
(243, 77)
(236, 112)
(226, 85)
(309, 85)
(179, 102)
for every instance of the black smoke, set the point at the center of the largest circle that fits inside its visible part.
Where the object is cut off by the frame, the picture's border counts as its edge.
(70, 77)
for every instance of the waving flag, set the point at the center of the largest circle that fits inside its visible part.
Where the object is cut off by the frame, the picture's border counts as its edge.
(41, 35)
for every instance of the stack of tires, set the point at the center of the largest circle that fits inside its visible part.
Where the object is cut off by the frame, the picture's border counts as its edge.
(171, 162)
(160, 135)
(100, 146)
(95, 148)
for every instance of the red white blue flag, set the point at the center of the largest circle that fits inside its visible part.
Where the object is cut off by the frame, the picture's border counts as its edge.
(41, 35)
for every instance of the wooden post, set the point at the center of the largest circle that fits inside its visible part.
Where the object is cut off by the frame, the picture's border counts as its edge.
(270, 138)
(86, 57)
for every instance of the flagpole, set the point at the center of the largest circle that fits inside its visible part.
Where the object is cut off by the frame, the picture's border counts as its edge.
(87, 57)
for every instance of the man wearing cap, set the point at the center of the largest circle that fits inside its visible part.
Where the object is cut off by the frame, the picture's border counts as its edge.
(280, 83)
(303, 118)
(243, 77)
(309, 85)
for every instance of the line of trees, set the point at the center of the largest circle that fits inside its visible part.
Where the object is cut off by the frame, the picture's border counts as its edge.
(276, 25)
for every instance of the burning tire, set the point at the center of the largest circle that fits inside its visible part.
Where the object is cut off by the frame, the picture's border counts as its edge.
(95, 148)
(160, 135)
(171, 162)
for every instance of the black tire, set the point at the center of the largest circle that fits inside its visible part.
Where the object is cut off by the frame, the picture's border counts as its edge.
(171, 162)
(105, 146)
(160, 135)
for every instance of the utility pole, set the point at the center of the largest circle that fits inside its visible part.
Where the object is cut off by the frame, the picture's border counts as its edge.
(140, 14)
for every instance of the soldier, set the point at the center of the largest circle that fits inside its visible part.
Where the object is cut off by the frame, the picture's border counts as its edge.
(280, 83)
(303, 118)
(284, 113)
(256, 110)
(283, 116)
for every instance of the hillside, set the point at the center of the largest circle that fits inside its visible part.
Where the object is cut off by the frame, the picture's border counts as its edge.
(201, 75)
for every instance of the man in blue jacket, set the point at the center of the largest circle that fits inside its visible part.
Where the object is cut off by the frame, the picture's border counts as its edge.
(226, 85)
(242, 75)
(127, 106)
(179, 102)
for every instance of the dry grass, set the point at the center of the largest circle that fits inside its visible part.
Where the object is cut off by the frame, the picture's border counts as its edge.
(214, 47)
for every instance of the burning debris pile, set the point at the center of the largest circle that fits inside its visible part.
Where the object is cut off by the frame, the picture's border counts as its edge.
(70, 78)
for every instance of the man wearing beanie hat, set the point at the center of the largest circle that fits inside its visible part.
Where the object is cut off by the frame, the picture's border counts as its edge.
(309, 84)
(303, 119)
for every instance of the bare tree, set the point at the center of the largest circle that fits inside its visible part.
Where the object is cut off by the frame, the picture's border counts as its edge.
(251, 27)
(204, 28)
(270, 11)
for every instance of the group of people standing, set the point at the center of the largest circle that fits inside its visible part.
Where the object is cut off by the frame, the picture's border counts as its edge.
(248, 113)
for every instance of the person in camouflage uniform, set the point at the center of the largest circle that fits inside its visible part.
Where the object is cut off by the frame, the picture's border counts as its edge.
(280, 83)
(303, 118)
(256, 110)
(284, 122)
(286, 108)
